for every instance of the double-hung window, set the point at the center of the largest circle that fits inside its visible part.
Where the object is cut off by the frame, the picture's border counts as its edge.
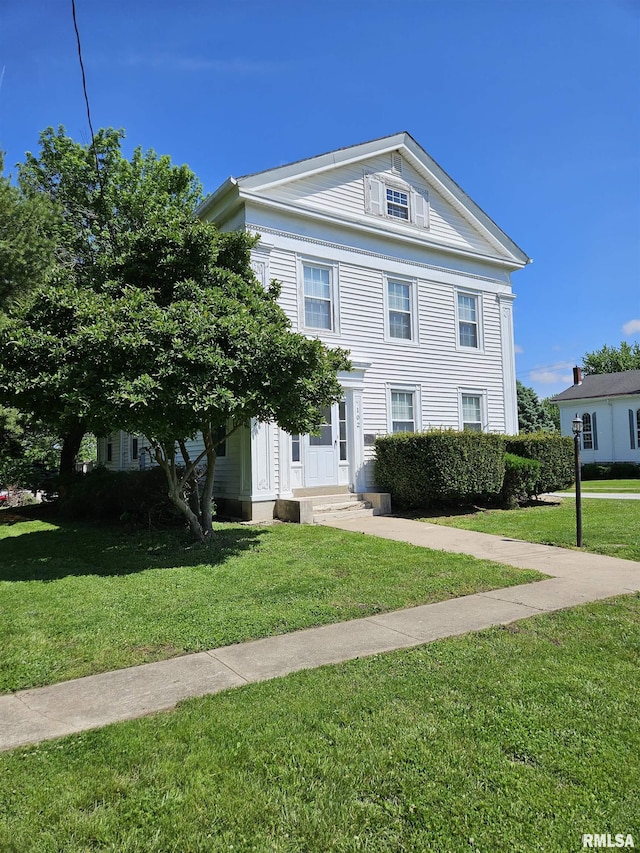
(317, 297)
(468, 328)
(399, 297)
(403, 411)
(319, 289)
(397, 203)
(472, 412)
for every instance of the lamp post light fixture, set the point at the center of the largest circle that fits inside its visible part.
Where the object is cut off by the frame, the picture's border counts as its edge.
(576, 427)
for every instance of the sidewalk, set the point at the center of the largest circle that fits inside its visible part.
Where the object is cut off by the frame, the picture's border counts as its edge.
(30, 716)
(608, 496)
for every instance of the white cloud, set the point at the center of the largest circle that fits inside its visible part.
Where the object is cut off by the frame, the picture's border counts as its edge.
(631, 327)
(518, 348)
(559, 373)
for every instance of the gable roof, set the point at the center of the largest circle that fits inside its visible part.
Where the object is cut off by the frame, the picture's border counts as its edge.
(403, 142)
(603, 385)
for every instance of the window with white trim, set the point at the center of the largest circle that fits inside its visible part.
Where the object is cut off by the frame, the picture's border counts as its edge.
(403, 411)
(397, 204)
(472, 412)
(399, 299)
(468, 323)
(319, 295)
(134, 447)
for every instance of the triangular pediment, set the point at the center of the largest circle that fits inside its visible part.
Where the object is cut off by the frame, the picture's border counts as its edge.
(390, 184)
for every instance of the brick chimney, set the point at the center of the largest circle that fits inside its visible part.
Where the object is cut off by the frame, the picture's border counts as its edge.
(577, 376)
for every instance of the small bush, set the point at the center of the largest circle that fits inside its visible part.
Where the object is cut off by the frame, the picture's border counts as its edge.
(520, 478)
(136, 497)
(554, 452)
(440, 467)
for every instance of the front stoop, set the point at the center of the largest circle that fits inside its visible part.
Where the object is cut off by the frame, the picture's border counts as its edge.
(314, 509)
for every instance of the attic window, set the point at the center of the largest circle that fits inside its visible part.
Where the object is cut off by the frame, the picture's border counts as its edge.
(392, 198)
(396, 163)
(397, 204)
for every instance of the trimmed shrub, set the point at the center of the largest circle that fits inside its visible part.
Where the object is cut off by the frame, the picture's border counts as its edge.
(440, 467)
(520, 478)
(555, 454)
(610, 471)
(135, 497)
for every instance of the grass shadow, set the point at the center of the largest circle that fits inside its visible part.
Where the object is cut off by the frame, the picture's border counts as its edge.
(72, 549)
(470, 510)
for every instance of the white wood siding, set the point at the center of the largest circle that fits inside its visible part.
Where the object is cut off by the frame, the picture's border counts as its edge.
(435, 366)
(342, 191)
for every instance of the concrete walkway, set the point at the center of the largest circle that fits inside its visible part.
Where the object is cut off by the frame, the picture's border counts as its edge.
(30, 716)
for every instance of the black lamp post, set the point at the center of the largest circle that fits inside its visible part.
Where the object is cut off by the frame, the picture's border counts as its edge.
(576, 427)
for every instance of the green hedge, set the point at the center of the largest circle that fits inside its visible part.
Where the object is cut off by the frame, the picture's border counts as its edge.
(555, 454)
(611, 471)
(439, 467)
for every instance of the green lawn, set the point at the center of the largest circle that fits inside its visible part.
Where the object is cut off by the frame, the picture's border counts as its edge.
(514, 739)
(610, 527)
(77, 599)
(613, 486)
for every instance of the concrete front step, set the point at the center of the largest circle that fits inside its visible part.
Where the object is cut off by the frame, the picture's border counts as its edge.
(304, 509)
(363, 512)
(345, 506)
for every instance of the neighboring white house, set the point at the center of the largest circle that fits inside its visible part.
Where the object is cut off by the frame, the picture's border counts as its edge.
(609, 405)
(378, 250)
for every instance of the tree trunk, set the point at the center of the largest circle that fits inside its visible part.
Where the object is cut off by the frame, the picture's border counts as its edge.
(166, 459)
(71, 441)
(206, 511)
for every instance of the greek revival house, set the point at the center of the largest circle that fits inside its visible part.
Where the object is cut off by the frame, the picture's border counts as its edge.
(379, 251)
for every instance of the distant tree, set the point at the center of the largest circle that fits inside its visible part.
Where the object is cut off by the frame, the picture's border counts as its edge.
(27, 227)
(553, 412)
(28, 451)
(532, 415)
(612, 359)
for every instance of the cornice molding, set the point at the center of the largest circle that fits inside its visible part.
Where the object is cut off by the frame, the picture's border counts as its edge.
(263, 229)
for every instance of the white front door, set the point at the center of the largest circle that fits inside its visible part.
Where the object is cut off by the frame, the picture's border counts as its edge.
(321, 452)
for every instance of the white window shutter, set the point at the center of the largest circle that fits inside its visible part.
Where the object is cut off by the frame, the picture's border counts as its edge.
(420, 202)
(374, 195)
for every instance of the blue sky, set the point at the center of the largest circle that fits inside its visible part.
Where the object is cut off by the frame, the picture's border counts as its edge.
(532, 106)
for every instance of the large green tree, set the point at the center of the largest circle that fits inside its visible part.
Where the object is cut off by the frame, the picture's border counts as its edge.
(154, 322)
(198, 346)
(100, 201)
(612, 359)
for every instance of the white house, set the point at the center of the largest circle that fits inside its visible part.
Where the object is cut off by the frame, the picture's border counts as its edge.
(609, 405)
(378, 250)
